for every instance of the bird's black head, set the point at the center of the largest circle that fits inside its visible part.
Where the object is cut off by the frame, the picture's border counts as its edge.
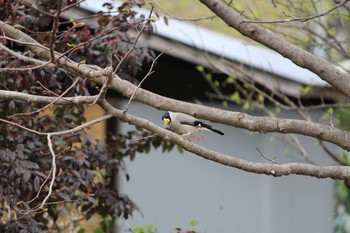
(166, 118)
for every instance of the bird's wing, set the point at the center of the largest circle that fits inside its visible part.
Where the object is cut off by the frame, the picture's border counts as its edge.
(201, 124)
(184, 119)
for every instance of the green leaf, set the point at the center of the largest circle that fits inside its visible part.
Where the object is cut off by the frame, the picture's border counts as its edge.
(328, 114)
(138, 229)
(70, 45)
(106, 220)
(235, 97)
(261, 98)
(194, 222)
(81, 230)
(150, 228)
(247, 86)
(246, 106)
(99, 230)
(180, 149)
(152, 19)
(230, 80)
(208, 77)
(217, 83)
(19, 27)
(200, 68)
(278, 110)
(305, 90)
(332, 32)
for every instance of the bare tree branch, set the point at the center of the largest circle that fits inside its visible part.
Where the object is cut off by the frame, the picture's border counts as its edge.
(150, 72)
(334, 172)
(14, 95)
(299, 19)
(51, 103)
(54, 29)
(300, 57)
(63, 132)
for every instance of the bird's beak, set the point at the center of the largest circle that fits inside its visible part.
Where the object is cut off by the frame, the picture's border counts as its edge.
(166, 121)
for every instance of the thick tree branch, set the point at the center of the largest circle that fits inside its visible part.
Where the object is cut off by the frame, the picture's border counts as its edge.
(300, 57)
(334, 172)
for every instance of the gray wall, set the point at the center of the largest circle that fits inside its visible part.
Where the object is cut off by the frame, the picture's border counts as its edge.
(171, 188)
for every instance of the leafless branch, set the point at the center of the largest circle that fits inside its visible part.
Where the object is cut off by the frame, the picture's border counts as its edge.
(335, 172)
(150, 72)
(106, 86)
(53, 177)
(50, 104)
(14, 95)
(54, 169)
(145, 25)
(171, 16)
(271, 160)
(299, 19)
(63, 132)
(54, 30)
(300, 57)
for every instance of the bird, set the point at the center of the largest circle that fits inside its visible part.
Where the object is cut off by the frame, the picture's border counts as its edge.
(183, 124)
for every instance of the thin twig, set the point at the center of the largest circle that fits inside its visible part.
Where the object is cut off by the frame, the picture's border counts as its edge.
(24, 42)
(143, 138)
(53, 177)
(134, 43)
(105, 86)
(54, 169)
(21, 57)
(331, 153)
(72, 5)
(299, 19)
(271, 160)
(150, 72)
(171, 16)
(40, 188)
(48, 105)
(53, 93)
(22, 127)
(54, 29)
(59, 133)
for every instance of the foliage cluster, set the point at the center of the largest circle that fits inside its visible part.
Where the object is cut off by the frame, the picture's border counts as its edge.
(87, 168)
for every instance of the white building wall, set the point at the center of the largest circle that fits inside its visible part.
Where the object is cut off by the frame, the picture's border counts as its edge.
(171, 188)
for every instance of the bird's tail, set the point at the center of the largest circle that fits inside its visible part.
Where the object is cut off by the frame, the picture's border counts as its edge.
(212, 129)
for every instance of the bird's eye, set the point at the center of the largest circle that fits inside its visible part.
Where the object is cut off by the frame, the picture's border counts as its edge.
(197, 123)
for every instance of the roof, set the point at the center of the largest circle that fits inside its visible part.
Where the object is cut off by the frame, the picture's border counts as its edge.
(255, 56)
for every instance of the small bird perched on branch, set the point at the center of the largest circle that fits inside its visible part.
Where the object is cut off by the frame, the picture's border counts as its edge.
(183, 124)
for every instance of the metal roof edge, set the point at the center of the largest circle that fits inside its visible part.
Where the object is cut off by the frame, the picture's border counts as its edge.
(225, 46)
